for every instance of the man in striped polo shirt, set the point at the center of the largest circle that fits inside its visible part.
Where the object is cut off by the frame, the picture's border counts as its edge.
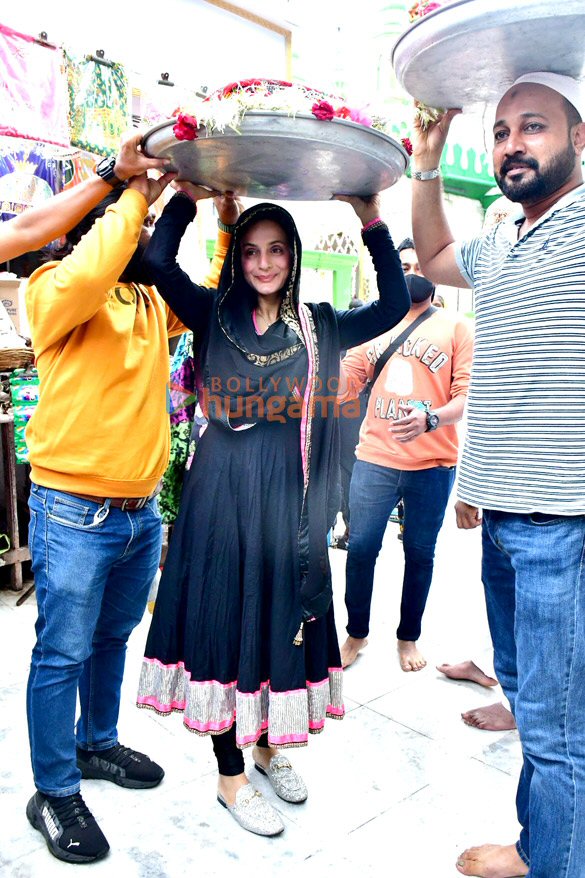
(523, 467)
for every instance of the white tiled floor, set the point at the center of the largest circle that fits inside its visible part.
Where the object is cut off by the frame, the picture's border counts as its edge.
(397, 788)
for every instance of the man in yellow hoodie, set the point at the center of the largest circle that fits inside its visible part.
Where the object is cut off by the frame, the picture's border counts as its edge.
(99, 443)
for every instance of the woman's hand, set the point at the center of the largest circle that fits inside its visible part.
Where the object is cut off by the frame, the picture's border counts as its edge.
(428, 141)
(229, 207)
(367, 208)
(194, 191)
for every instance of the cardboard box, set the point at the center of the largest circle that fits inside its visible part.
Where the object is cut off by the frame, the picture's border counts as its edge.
(12, 297)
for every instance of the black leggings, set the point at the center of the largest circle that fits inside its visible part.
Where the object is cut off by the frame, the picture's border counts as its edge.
(230, 759)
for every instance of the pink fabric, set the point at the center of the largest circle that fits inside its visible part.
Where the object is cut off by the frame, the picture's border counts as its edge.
(317, 685)
(155, 661)
(378, 219)
(255, 322)
(283, 740)
(246, 740)
(209, 727)
(33, 99)
(151, 701)
(317, 724)
(310, 377)
(335, 711)
(223, 723)
(181, 666)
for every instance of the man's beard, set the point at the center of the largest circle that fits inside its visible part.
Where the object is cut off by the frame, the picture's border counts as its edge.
(543, 183)
(136, 271)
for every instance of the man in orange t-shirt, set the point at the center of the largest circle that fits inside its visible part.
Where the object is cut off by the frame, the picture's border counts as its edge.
(407, 450)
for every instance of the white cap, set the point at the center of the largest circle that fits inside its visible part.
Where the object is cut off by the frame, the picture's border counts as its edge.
(569, 88)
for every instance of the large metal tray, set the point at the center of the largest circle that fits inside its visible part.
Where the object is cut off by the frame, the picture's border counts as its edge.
(469, 52)
(278, 156)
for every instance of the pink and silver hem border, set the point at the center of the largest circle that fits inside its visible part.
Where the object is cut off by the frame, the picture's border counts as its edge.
(211, 707)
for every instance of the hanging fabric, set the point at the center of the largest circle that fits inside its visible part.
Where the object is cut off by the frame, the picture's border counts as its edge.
(33, 97)
(98, 104)
(28, 176)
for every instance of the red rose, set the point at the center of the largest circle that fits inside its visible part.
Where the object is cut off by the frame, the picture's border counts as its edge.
(186, 127)
(323, 111)
(241, 86)
(406, 143)
(422, 7)
(343, 113)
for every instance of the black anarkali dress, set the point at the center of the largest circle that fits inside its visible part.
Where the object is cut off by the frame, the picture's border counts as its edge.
(243, 628)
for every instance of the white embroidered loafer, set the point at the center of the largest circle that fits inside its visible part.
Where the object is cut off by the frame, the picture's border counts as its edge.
(286, 783)
(253, 812)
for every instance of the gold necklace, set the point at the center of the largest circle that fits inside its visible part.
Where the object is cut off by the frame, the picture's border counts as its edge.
(263, 318)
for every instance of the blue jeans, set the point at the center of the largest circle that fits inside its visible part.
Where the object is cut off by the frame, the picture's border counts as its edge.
(373, 494)
(93, 566)
(534, 581)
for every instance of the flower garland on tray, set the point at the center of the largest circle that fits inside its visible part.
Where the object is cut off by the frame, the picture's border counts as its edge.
(227, 107)
(426, 115)
(422, 7)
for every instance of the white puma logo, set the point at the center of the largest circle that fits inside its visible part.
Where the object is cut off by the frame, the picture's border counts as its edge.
(73, 844)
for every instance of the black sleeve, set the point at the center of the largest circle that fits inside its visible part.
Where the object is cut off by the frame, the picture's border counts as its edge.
(190, 302)
(362, 324)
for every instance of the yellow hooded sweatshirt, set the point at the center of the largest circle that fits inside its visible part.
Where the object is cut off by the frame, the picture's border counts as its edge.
(101, 426)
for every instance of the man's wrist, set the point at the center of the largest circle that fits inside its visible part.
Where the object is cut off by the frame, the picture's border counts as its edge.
(120, 173)
(424, 162)
(107, 170)
(426, 174)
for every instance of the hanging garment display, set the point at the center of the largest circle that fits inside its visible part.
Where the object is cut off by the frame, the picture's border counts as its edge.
(98, 104)
(33, 97)
(154, 102)
(29, 175)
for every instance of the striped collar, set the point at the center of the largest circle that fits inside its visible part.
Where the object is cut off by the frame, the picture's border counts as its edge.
(516, 218)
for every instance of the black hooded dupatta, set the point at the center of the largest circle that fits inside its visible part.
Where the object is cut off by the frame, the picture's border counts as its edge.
(248, 563)
(295, 365)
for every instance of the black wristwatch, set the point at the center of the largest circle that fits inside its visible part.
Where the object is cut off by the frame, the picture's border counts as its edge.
(105, 170)
(432, 421)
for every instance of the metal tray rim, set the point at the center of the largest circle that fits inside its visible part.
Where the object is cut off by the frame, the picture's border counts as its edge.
(231, 132)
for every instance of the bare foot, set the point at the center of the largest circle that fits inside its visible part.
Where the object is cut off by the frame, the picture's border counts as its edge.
(410, 658)
(492, 861)
(467, 671)
(351, 649)
(494, 718)
(227, 787)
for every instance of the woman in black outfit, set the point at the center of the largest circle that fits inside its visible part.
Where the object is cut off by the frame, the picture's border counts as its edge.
(243, 638)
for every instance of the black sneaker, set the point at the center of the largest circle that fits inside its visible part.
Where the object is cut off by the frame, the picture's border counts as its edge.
(121, 765)
(69, 827)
